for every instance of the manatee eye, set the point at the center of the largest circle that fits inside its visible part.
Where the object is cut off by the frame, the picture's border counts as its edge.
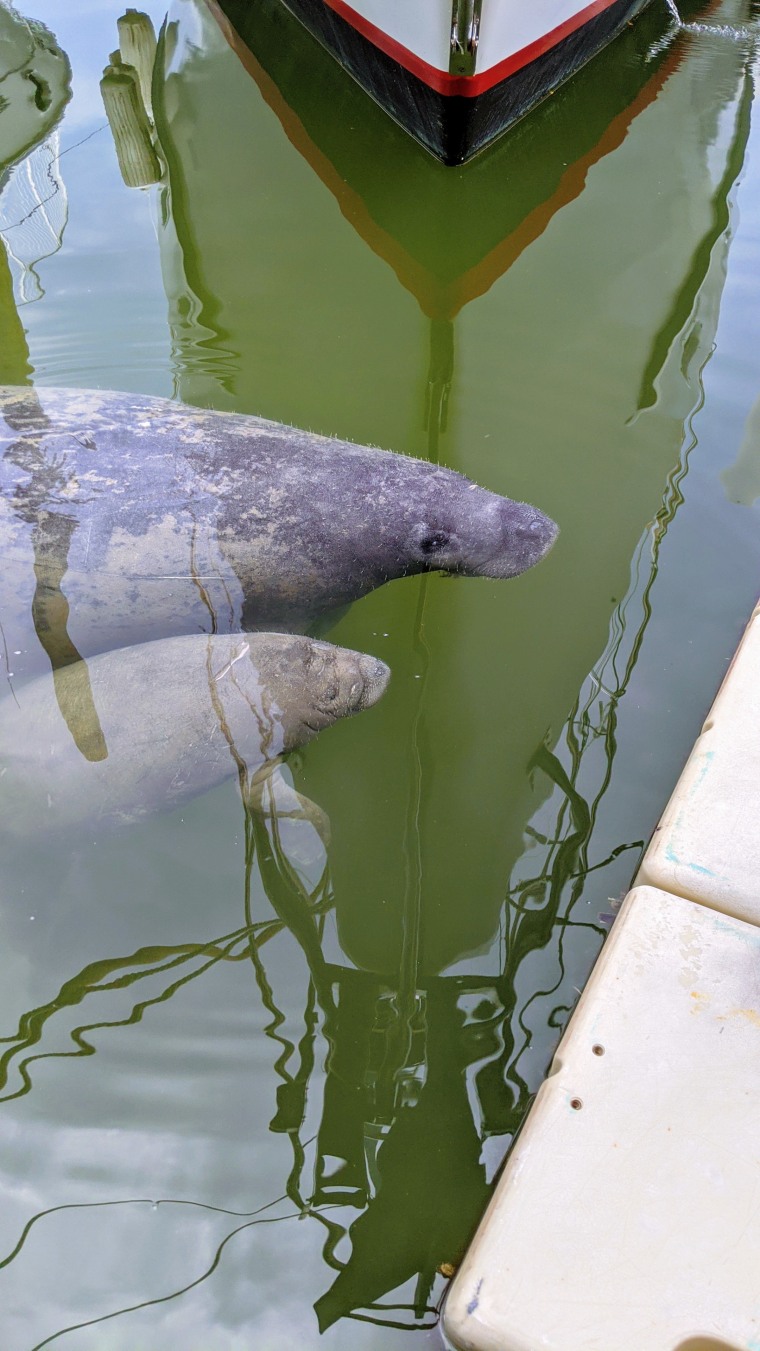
(429, 544)
(331, 694)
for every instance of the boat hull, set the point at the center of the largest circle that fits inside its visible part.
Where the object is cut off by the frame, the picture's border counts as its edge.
(456, 117)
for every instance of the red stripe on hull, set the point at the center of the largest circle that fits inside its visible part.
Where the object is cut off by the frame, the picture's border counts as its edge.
(468, 86)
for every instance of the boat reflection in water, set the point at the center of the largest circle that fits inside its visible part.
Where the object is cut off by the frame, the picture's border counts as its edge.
(430, 966)
(425, 1067)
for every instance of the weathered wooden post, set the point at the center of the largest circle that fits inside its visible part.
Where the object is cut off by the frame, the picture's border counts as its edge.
(130, 127)
(137, 43)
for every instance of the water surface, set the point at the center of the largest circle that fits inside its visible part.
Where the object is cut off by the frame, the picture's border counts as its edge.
(230, 1097)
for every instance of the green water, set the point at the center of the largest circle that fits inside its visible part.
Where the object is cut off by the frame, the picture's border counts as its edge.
(223, 1104)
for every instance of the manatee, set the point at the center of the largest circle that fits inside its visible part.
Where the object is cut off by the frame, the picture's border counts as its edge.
(146, 728)
(126, 518)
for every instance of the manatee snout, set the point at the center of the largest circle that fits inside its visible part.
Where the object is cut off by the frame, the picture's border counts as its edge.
(480, 534)
(525, 536)
(348, 682)
(322, 683)
(374, 676)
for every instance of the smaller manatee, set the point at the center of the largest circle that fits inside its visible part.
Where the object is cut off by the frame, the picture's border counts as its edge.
(175, 718)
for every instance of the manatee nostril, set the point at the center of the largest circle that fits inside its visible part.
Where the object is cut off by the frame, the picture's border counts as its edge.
(540, 529)
(535, 527)
(375, 670)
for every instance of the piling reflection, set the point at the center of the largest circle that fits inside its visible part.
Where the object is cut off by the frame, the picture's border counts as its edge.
(14, 357)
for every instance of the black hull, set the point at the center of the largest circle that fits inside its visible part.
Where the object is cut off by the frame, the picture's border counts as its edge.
(453, 127)
(446, 233)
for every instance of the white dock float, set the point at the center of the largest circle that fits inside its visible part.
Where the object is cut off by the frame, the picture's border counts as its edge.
(707, 845)
(628, 1214)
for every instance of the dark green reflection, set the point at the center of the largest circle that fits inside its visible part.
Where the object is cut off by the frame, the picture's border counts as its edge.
(14, 353)
(51, 535)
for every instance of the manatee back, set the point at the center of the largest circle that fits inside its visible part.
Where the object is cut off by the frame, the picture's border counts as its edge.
(125, 518)
(123, 466)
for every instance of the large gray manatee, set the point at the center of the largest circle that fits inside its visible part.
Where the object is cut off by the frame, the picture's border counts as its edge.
(125, 518)
(146, 728)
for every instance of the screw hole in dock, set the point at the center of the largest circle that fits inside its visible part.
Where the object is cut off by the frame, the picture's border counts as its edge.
(598, 1049)
(576, 1104)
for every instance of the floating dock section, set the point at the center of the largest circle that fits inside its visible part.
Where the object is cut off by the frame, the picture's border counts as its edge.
(627, 1217)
